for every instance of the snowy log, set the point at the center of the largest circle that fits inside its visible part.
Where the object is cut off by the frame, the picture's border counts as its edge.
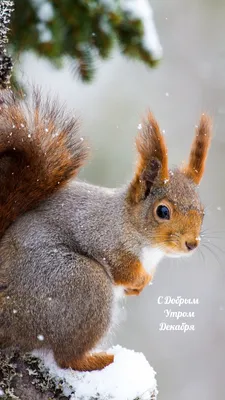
(37, 377)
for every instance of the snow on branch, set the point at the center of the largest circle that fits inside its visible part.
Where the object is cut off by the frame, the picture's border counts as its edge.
(141, 9)
(130, 377)
(6, 8)
(85, 31)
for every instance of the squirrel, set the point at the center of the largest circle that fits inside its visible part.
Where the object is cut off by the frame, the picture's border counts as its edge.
(68, 249)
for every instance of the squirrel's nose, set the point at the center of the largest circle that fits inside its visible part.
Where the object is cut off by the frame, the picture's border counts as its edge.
(191, 245)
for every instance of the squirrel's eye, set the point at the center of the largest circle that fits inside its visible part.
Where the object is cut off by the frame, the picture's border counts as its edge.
(163, 212)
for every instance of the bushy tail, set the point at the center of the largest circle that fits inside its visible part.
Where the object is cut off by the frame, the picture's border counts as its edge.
(40, 151)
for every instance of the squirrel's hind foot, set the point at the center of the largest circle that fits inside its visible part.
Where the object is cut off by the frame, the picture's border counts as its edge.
(90, 362)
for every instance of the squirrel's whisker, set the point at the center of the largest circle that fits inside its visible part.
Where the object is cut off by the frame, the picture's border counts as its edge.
(212, 252)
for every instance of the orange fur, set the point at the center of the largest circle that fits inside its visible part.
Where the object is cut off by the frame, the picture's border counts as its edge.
(40, 151)
(90, 362)
(153, 160)
(180, 229)
(199, 150)
(131, 274)
(141, 282)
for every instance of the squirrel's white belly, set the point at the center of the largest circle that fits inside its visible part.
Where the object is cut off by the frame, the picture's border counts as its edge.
(118, 292)
(150, 258)
(117, 315)
(119, 297)
(118, 301)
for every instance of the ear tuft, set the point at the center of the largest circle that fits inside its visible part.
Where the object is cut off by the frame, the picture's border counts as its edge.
(199, 150)
(152, 162)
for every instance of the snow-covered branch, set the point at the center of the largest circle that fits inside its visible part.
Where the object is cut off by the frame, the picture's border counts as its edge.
(142, 9)
(37, 376)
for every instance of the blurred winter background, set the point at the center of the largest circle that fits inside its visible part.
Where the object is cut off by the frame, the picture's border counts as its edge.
(189, 80)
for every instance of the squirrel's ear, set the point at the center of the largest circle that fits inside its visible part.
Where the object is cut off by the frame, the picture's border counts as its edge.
(199, 150)
(152, 160)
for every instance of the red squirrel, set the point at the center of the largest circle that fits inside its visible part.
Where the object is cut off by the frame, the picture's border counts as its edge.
(68, 247)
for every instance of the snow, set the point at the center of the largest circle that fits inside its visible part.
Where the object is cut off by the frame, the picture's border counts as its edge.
(46, 12)
(45, 34)
(109, 4)
(44, 9)
(141, 9)
(130, 377)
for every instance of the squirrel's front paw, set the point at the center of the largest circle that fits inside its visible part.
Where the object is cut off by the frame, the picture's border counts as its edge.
(137, 288)
(133, 292)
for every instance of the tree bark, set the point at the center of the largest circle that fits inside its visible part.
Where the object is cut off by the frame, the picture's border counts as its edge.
(21, 378)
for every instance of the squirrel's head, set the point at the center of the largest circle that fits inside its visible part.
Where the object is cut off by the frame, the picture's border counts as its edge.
(164, 204)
